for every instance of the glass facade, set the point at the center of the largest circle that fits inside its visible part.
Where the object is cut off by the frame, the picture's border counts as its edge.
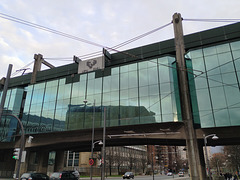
(137, 93)
(216, 72)
(8, 124)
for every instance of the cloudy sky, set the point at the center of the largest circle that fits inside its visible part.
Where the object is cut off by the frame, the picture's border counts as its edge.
(105, 22)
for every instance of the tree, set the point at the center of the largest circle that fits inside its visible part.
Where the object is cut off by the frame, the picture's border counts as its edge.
(118, 158)
(217, 161)
(232, 154)
(143, 160)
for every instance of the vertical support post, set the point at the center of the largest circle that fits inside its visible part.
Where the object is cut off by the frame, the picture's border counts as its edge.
(191, 140)
(152, 164)
(207, 160)
(4, 93)
(22, 144)
(37, 67)
(92, 146)
(103, 148)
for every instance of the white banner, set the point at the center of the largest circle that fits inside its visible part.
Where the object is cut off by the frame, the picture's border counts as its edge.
(91, 65)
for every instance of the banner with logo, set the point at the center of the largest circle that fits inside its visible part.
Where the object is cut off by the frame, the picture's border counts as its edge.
(91, 65)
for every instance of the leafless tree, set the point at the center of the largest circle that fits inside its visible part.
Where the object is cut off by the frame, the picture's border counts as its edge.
(232, 154)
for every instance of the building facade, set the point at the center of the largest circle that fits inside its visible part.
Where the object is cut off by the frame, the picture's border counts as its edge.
(137, 87)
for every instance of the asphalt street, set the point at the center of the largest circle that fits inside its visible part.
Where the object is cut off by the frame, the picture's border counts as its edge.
(156, 177)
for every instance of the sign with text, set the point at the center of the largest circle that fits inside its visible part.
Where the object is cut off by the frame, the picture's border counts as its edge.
(91, 65)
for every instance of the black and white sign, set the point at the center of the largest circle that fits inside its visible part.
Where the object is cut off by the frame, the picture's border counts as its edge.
(91, 65)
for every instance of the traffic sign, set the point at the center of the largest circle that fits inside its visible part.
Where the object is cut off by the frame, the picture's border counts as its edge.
(91, 162)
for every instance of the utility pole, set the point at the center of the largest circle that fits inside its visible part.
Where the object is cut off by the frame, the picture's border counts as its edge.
(191, 140)
(4, 92)
(103, 148)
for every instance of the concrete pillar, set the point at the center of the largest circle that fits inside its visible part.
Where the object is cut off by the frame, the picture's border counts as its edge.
(202, 159)
(42, 161)
(37, 67)
(59, 161)
(187, 116)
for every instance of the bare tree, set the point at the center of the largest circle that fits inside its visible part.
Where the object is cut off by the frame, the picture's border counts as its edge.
(143, 161)
(118, 158)
(217, 161)
(109, 158)
(232, 154)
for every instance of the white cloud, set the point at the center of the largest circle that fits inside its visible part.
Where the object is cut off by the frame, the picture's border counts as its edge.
(104, 22)
(6, 60)
(3, 44)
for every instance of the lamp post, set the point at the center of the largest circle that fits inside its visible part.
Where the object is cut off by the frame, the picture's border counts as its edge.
(214, 137)
(103, 148)
(92, 144)
(22, 144)
(152, 166)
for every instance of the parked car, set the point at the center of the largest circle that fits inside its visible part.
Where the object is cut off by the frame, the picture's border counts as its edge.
(181, 174)
(128, 175)
(169, 174)
(75, 173)
(64, 175)
(34, 176)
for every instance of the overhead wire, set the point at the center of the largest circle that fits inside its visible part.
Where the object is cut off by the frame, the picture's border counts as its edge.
(18, 20)
(132, 39)
(21, 21)
(113, 48)
(16, 72)
(212, 20)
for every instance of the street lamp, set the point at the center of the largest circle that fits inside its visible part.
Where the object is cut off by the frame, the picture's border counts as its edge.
(99, 142)
(22, 144)
(152, 166)
(214, 137)
(92, 145)
(104, 143)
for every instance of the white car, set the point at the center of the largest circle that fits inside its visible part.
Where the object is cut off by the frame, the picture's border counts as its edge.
(181, 174)
(169, 173)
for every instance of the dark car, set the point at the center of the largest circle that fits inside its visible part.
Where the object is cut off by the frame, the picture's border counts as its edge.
(128, 175)
(34, 176)
(75, 173)
(64, 175)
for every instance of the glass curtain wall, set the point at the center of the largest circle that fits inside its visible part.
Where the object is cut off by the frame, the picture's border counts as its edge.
(137, 93)
(12, 105)
(216, 71)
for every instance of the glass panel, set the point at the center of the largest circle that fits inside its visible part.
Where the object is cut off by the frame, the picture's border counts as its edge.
(143, 77)
(234, 116)
(235, 45)
(132, 80)
(106, 84)
(222, 118)
(207, 119)
(210, 51)
(152, 74)
(223, 48)
(212, 65)
(115, 70)
(124, 81)
(196, 54)
(218, 98)
(114, 83)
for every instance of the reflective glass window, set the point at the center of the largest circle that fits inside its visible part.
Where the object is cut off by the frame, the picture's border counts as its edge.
(218, 90)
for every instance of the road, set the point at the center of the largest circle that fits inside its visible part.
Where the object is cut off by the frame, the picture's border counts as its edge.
(156, 177)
